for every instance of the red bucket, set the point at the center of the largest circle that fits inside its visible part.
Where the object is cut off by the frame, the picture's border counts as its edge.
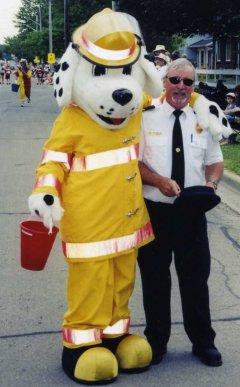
(36, 244)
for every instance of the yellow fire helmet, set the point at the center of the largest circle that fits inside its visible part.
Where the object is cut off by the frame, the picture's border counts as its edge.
(108, 39)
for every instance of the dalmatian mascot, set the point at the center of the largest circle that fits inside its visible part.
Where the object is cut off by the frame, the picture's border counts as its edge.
(88, 181)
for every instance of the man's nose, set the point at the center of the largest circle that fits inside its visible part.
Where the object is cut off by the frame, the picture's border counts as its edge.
(180, 85)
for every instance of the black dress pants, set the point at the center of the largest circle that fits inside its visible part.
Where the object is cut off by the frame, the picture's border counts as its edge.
(187, 238)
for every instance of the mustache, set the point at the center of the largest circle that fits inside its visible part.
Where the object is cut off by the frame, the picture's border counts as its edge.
(181, 93)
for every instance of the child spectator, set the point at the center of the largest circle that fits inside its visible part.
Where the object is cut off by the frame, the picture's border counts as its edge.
(231, 105)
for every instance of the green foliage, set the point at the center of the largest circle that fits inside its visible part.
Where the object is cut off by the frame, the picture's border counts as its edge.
(231, 156)
(33, 44)
(176, 42)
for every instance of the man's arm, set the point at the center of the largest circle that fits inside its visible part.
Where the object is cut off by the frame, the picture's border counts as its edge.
(213, 174)
(167, 186)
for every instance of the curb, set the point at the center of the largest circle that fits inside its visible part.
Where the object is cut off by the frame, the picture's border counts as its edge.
(229, 190)
(232, 179)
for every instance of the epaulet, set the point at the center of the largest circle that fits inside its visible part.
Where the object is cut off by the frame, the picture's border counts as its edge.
(151, 107)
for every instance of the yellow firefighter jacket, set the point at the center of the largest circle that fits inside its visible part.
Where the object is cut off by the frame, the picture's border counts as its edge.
(95, 173)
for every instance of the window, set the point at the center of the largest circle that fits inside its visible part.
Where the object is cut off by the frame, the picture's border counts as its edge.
(218, 51)
(228, 50)
(201, 59)
(209, 59)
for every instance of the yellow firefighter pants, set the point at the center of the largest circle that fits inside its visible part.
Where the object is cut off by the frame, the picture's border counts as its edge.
(98, 293)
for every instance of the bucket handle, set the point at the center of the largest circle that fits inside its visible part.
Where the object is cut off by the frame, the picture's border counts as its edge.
(38, 219)
(27, 233)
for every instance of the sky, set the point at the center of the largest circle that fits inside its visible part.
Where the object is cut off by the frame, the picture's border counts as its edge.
(8, 8)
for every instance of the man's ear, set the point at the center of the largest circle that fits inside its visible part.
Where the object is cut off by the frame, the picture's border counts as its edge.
(64, 75)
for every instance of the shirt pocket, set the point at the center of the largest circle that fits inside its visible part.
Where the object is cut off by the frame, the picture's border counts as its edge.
(156, 140)
(156, 149)
(198, 148)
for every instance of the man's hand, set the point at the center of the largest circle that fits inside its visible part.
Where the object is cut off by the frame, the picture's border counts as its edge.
(210, 184)
(167, 186)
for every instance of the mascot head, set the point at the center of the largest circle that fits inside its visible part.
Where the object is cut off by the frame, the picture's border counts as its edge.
(104, 72)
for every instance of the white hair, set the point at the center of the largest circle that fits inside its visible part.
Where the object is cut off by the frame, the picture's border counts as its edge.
(179, 64)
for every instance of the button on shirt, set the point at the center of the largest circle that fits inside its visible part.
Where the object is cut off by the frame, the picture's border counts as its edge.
(156, 148)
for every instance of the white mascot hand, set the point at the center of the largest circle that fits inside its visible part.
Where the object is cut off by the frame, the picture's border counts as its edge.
(211, 117)
(47, 207)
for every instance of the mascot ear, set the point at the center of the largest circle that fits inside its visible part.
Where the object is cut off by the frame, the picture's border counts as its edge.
(64, 75)
(153, 82)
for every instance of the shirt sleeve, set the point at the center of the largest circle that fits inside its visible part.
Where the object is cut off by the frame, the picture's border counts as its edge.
(213, 152)
(57, 153)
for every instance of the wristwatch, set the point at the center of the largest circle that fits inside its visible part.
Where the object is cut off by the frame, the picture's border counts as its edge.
(214, 183)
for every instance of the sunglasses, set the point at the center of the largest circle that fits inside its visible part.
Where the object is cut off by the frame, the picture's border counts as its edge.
(176, 80)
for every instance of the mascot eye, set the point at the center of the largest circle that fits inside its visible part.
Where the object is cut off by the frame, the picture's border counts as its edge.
(99, 70)
(127, 70)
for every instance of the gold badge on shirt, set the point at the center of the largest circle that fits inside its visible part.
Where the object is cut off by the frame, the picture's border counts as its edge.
(198, 129)
(154, 133)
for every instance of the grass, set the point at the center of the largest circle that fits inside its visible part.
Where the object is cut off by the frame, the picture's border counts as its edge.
(231, 156)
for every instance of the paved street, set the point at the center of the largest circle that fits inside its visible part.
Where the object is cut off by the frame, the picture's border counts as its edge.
(32, 303)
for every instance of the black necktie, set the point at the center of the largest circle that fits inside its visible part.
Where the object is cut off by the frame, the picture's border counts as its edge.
(178, 168)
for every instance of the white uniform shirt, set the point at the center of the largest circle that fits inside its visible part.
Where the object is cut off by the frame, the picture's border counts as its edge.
(156, 148)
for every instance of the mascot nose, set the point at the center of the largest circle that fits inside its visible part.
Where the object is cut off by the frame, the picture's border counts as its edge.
(122, 96)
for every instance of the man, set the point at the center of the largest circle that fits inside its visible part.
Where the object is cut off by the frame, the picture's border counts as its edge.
(186, 235)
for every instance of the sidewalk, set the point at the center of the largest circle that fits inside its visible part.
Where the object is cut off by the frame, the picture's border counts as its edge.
(32, 303)
(229, 190)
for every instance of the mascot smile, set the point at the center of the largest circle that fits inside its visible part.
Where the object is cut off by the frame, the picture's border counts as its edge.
(88, 181)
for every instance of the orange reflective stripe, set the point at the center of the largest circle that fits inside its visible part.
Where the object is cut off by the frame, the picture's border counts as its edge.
(121, 326)
(109, 246)
(104, 53)
(60, 157)
(105, 159)
(78, 337)
(48, 180)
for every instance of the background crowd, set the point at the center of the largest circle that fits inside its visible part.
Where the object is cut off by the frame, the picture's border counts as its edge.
(228, 100)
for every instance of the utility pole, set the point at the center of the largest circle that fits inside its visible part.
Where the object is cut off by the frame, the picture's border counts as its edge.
(50, 25)
(66, 22)
(40, 17)
(37, 23)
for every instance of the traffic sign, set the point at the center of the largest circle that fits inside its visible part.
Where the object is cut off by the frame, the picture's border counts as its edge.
(51, 58)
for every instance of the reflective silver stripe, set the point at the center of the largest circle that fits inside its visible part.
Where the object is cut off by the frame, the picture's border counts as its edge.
(121, 326)
(48, 180)
(78, 337)
(103, 53)
(109, 246)
(61, 157)
(105, 159)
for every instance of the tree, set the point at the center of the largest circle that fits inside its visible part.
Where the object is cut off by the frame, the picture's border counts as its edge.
(160, 19)
(31, 42)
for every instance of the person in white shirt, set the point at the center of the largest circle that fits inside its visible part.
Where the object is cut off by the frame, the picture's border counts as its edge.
(162, 61)
(185, 236)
